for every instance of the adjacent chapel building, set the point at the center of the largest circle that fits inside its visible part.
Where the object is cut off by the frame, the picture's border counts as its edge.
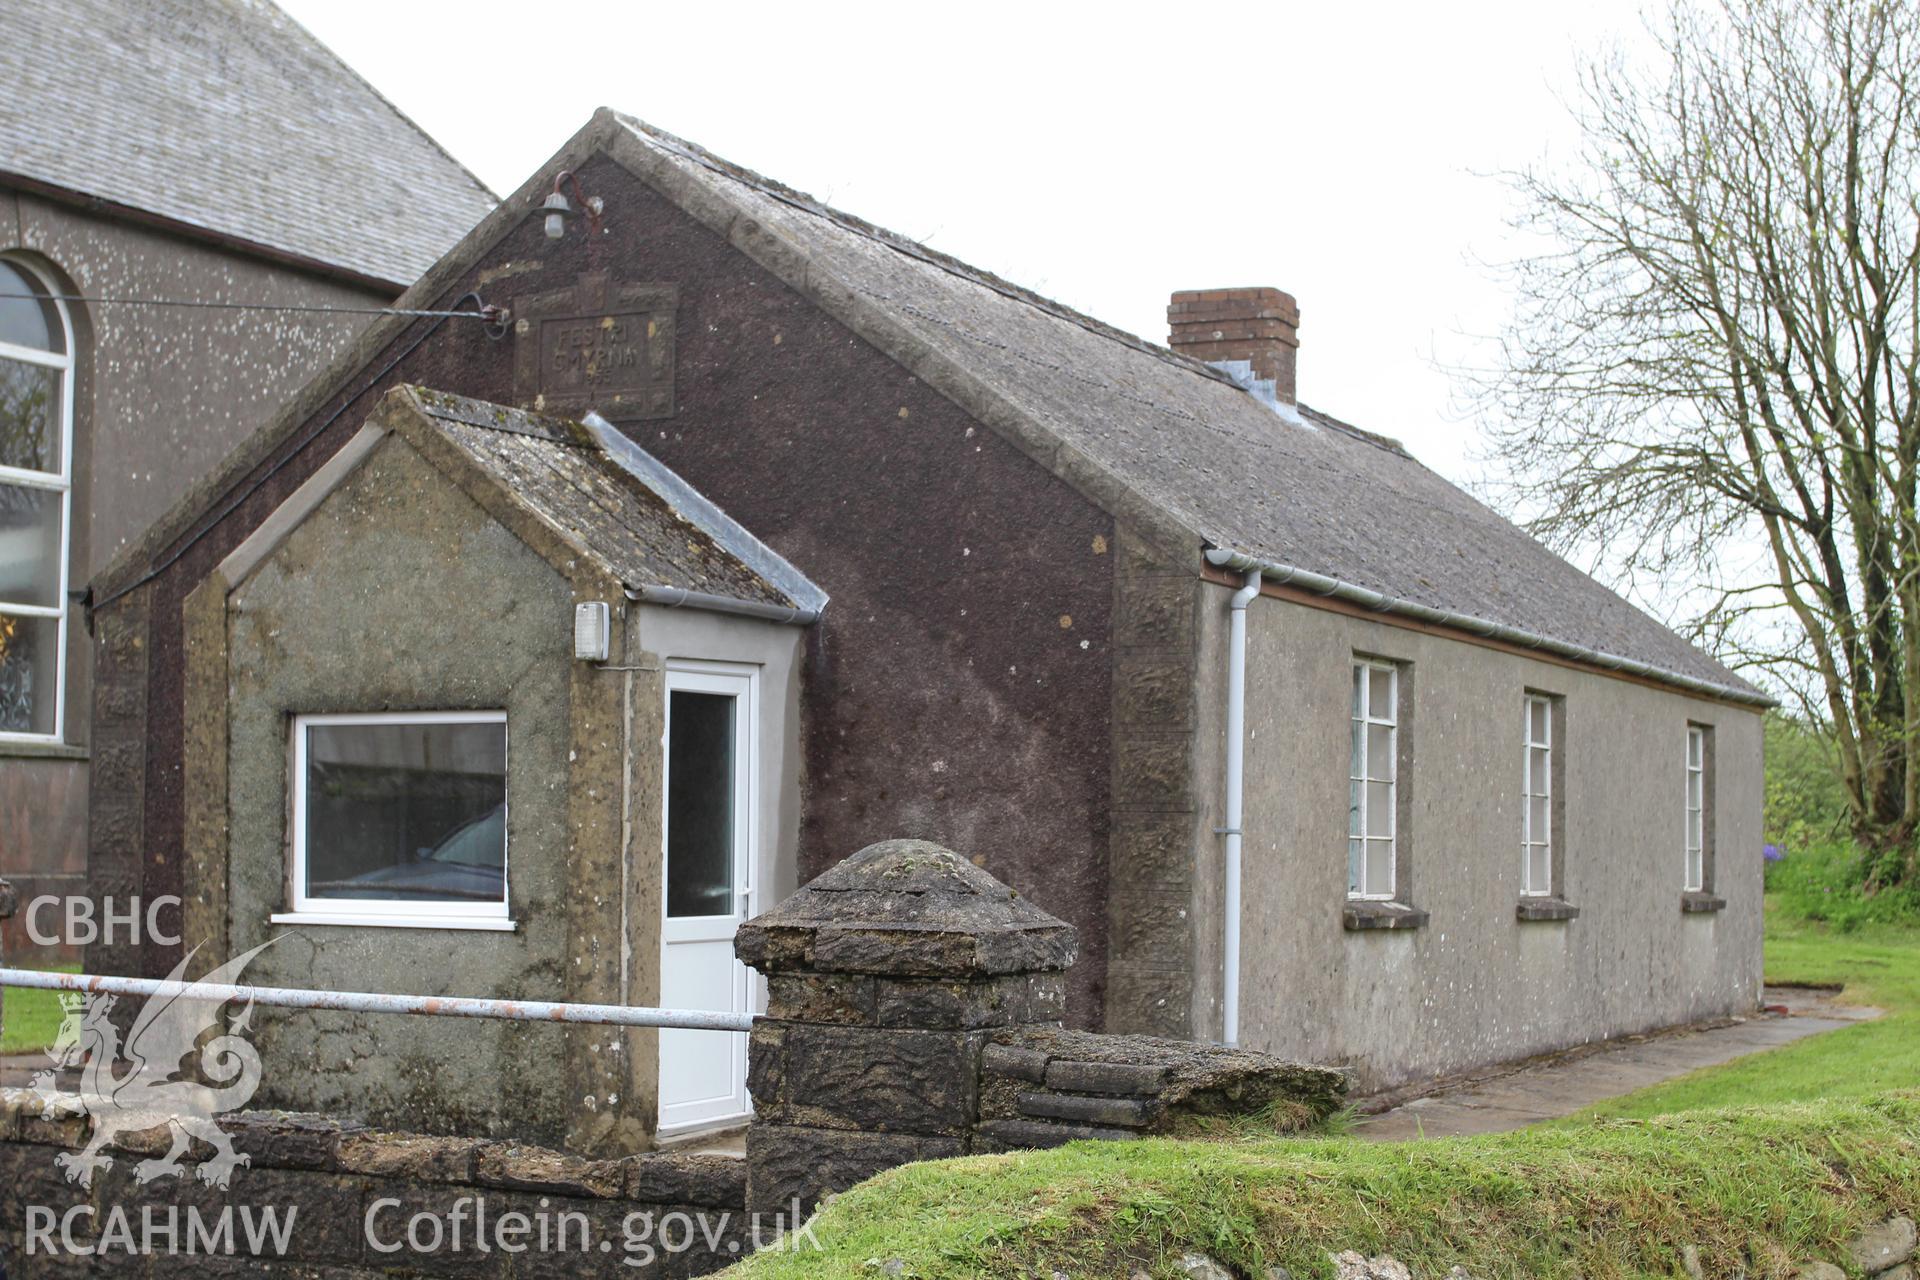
(198, 208)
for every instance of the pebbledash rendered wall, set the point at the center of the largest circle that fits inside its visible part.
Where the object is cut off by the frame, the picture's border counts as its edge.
(301, 635)
(1474, 984)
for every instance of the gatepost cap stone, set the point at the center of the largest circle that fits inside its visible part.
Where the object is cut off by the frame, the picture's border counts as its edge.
(906, 908)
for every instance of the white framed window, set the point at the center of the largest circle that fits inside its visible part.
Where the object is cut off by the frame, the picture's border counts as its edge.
(1696, 809)
(1536, 803)
(36, 481)
(399, 819)
(1373, 782)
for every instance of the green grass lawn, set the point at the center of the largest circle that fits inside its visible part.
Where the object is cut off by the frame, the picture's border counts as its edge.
(1757, 1190)
(1878, 964)
(31, 1018)
(1763, 1163)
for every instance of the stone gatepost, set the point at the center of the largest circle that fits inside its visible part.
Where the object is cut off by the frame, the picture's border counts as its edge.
(885, 977)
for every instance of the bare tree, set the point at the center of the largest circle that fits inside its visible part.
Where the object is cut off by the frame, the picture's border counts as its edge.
(1718, 351)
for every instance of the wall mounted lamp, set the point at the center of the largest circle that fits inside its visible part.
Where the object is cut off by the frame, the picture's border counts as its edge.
(558, 208)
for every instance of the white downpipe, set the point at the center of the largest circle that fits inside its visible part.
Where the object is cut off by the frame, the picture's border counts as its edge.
(1236, 796)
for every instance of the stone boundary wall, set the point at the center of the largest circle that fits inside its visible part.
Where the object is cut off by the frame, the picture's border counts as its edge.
(1042, 1086)
(332, 1175)
(913, 1006)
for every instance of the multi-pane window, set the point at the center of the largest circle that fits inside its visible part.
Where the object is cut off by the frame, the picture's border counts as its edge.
(1372, 851)
(1696, 830)
(36, 420)
(1536, 814)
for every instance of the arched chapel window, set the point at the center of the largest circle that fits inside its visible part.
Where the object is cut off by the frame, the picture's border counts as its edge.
(36, 480)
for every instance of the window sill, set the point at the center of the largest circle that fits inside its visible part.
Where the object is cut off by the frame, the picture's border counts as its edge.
(1696, 903)
(1361, 916)
(42, 750)
(1536, 909)
(493, 924)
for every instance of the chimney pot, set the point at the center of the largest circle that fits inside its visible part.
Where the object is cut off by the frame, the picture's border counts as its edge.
(1255, 325)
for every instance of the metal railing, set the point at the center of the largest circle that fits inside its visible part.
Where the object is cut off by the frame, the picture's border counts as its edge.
(618, 1015)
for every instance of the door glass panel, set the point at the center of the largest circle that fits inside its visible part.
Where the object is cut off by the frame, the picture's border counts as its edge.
(30, 416)
(29, 545)
(700, 804)
(29, 673)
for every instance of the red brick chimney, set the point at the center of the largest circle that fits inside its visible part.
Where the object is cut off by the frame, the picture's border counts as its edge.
(1259, 326)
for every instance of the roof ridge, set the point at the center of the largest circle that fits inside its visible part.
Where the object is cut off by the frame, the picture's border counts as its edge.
(899, 243)
(1374, 438)
(385, 101)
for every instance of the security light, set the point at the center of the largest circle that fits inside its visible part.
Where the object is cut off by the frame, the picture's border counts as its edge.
(592, 631)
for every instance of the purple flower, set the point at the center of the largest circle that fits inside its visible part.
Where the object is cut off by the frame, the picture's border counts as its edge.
(1773, 852)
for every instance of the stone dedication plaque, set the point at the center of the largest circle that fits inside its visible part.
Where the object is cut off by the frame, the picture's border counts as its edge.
(599, 345)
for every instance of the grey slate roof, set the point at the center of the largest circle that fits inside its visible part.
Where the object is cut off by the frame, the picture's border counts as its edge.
(617, 503)
(1319, 495)
(228, 116)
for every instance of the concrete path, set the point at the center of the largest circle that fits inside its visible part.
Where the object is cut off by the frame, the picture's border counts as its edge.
(1512, 1099)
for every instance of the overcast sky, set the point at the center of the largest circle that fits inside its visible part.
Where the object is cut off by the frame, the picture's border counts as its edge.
(1103, 155)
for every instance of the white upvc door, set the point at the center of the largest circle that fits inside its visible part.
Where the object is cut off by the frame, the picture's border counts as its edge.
(709, 852)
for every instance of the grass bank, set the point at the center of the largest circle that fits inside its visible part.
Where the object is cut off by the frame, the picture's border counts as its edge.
(1818, 882)
(1762, 1163)
(1755, 1189)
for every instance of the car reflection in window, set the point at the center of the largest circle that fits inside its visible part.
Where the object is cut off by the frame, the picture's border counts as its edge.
(469, 865)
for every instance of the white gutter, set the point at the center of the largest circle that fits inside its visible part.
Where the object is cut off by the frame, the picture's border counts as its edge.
(698, 510)
(1236, 796)
(1334, 588)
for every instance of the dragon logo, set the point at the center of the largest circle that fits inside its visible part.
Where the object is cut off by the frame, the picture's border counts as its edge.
(146, 1083)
